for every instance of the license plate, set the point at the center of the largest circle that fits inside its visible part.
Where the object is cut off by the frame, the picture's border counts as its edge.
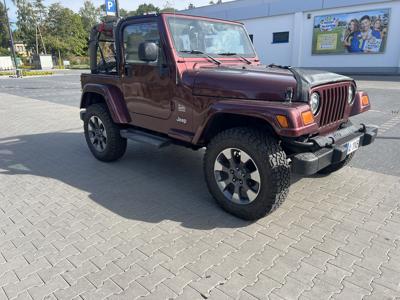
(353, 146)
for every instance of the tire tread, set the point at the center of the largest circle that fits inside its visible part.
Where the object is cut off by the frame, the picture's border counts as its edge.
(116, 145)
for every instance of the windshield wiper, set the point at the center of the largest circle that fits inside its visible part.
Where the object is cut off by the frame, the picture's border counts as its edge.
(235, 54)
(202, 53)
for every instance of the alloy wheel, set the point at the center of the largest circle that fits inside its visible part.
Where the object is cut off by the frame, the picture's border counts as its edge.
(97, 134)
(237, 176)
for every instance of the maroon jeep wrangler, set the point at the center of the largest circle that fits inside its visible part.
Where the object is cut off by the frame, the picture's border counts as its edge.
(197, 82)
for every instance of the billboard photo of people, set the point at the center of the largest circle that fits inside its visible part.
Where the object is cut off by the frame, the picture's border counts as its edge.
(360, 32)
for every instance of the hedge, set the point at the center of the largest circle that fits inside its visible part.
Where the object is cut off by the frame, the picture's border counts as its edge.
(28, 73)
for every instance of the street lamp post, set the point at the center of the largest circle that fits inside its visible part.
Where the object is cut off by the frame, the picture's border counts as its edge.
(11, 40)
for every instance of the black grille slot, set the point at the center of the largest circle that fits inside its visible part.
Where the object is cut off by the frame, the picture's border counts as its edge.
(333, 104)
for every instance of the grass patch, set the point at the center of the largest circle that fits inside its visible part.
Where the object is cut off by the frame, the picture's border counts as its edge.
(28, 73)
(78, 67)
(7, 73)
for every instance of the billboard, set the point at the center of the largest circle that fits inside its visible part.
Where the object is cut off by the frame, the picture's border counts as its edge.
(363, 32)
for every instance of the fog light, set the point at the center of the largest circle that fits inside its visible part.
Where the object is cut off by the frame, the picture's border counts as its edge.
(308, 117)
(314, 103)
(283, 121)
(365, 100)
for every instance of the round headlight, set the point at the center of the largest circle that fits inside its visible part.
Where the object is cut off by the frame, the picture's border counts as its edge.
(314, 103)
(351, 94)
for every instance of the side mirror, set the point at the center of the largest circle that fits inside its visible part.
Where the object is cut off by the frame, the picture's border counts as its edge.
(148, 52)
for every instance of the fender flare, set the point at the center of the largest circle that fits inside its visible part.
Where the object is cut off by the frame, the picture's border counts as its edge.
(265, 111)
(213, 115)
(113, 98)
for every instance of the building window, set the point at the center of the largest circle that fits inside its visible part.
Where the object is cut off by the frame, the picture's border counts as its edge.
(280, 37)
(251, 37)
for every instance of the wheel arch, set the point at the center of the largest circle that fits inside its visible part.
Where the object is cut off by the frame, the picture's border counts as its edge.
(222, 121)
(111, 96)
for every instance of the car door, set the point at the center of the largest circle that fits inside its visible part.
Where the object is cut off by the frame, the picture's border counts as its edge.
(147, 86)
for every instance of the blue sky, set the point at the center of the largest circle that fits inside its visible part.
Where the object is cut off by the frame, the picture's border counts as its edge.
(126, 4)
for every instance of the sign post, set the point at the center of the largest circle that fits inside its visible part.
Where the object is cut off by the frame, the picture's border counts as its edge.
(112, 8)
(17, 71)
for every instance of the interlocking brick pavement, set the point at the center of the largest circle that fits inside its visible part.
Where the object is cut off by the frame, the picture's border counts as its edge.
(75, 228)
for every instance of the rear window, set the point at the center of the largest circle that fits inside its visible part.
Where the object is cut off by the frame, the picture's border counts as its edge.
(105, 50)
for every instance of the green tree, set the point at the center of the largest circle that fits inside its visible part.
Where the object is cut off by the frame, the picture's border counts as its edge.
(123, 12)
(90, 15)
(168, 7)
(39, 15)
(4, 52)
(40, 11)
(26, 23)
(4, 34)
(146, 9)
(65, 31)
(31, 15)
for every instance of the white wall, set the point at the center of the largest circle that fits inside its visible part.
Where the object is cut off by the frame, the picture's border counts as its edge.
(6, 63)
(398, 69)
(298, 52)
(46, 62)
(262, 29)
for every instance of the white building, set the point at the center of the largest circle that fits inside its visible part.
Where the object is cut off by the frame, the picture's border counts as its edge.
(319, 33)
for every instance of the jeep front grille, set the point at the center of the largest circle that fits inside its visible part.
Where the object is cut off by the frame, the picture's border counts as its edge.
(333, 103)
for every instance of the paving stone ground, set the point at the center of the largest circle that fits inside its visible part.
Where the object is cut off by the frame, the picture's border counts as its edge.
(74, 228)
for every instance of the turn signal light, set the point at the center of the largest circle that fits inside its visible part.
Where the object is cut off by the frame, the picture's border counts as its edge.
(283, 121)
(308, 117)
(365, 100)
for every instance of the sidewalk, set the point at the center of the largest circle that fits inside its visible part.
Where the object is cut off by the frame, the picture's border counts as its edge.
(72, 227)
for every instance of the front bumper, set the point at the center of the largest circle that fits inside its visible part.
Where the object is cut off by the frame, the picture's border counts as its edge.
(331, 149)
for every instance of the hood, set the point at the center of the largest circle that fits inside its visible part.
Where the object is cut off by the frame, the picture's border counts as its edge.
(272, 83)
(308, 79)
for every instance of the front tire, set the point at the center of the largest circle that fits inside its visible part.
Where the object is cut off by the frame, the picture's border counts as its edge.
(247, 172)
(102, 134)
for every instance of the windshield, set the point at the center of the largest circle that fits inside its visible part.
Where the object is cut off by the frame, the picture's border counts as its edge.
(210, 37)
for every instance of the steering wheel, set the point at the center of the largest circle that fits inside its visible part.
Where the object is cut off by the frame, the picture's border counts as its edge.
(107, 66)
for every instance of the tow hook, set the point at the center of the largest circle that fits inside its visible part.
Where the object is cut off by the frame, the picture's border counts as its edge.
(363, 128)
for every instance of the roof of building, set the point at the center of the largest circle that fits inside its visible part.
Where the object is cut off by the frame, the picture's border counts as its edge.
(250, 9)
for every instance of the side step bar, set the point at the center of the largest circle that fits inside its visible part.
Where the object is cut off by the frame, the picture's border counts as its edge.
(146, 138)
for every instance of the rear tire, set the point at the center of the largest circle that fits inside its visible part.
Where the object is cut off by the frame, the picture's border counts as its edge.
(257, 162)
(336, 167)
(102, 134)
